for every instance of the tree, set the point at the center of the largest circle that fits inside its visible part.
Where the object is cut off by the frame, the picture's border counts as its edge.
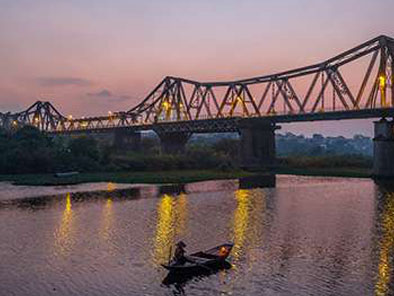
(84, 147)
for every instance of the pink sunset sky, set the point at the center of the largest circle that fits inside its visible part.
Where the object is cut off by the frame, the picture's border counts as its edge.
(89, 57)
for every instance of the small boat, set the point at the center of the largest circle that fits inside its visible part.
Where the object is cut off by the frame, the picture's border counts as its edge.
(66, 174)
(209, 260)
(181, 278)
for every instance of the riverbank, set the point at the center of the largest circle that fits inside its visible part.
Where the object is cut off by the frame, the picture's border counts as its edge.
(346, 172)
(162, 177)
(175, 176)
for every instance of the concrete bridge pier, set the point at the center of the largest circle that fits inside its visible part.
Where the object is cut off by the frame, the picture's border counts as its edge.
(173, 142)
(383, 158)
(257, 147)
(127, 140)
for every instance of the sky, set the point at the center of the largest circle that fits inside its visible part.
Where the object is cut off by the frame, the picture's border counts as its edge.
(91, 57)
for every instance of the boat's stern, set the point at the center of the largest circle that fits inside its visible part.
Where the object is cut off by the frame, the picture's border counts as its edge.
(220, 252)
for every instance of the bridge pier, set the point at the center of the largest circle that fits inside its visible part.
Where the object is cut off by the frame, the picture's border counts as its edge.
(127, 140)
(383, 158)
(257, 147)
(173, 142)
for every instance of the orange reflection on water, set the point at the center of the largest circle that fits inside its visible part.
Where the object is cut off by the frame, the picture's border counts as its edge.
(107, 220)
(111, 186)
(241, 220)
(63, 240)
(386, 247)
(171, 223)
(248, 220)
(181, 214)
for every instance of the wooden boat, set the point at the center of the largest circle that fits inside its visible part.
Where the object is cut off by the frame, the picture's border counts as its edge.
(181, 278)
(208, 260)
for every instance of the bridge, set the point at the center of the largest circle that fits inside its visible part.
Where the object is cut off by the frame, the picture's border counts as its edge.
(178, 107)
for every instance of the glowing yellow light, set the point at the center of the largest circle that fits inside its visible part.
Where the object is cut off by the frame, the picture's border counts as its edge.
(111, 187)
(68, 202)
(223, 252)
(14, 123)
(272, 112)
(70, 117)
(382, 86)
(382, 81)
(166, 105)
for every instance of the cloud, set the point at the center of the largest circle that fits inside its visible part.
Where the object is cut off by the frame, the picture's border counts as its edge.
(107, 94)
(63, 81)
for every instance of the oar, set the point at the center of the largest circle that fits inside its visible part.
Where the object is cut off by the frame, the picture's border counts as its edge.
(170, 255)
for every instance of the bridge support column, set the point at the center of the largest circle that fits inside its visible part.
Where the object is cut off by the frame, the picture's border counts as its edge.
(257, 147)
(383, 145)
(173, 142)
(127, 140)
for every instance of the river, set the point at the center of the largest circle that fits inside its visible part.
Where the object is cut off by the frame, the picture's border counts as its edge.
(306, 236)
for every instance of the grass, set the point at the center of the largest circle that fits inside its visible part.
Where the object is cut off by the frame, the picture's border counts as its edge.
(176, 176)
(348, 172)
(161, 177)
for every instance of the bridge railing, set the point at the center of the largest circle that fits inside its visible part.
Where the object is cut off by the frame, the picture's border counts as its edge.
(79, 125)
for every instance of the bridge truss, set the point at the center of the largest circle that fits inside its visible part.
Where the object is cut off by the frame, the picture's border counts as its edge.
(357, 81)
(41, 114)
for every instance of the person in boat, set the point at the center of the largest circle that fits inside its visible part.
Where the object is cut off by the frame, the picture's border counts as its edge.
(179, 255)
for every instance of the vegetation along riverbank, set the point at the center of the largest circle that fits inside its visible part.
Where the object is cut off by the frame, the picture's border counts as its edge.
(165, 177)
(30, 157)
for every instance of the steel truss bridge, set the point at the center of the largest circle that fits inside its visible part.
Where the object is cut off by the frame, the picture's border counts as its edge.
(357, 83)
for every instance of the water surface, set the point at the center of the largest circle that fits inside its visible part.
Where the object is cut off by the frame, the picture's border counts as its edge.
(307, 236)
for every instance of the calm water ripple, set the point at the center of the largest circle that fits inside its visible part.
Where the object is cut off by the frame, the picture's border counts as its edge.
(307, 236)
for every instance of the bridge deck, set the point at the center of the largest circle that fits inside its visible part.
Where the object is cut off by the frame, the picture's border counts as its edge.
(230, 124)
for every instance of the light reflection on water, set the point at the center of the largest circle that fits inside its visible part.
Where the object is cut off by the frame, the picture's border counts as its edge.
(248, 220)
(386, 246)
(308, 236)
(107, 220)
(63, 240)
(171, 223)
